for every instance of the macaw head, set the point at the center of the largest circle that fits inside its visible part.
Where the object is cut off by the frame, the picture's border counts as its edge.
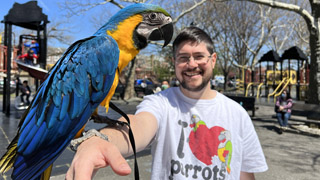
(144, 23)
(224, 136)
(196, 122)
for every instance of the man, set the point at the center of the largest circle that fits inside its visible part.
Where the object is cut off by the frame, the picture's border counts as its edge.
(195, 132)
(26, 91)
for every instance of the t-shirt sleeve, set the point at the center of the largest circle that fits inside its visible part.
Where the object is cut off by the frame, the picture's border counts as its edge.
(152, 104)
(253, 160)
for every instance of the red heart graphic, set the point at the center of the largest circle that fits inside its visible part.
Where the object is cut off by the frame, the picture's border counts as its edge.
(204, 142)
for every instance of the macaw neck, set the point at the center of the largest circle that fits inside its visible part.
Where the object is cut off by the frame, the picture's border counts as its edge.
(123, 34)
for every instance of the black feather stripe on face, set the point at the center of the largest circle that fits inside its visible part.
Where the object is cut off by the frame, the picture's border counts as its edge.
(140, 41)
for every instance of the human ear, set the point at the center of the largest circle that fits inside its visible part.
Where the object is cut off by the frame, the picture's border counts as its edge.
(213, 59)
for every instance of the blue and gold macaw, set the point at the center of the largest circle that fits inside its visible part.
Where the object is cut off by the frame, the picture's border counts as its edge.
(84, 77)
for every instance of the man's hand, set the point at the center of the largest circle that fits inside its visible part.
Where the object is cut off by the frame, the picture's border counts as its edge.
(96, 153)
(93, 154)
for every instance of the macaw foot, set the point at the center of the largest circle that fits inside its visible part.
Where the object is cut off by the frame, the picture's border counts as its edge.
(108, 121)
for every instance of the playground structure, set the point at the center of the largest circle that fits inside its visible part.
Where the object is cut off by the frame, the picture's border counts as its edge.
(271, 81)
(29, 16)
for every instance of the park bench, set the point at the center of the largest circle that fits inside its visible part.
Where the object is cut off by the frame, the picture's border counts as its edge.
(310, 111)
(248, 103)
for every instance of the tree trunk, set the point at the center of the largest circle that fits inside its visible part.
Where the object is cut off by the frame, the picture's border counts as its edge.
(314, 75)
(129, 89)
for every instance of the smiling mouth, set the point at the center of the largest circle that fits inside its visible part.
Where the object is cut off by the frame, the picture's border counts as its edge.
(190, 74)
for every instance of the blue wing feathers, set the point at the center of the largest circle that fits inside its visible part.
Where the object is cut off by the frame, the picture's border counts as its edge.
(24, 132)
(54, 117)
(64, 107)
(46, 157)
(28, 118)
(35, 141)
(76, 85)
(28, 136)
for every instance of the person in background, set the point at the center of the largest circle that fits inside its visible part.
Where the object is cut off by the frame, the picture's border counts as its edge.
(194, 131)
(165, 85)
(283, 108)
(33, 46)
(26, 91)
(157, 89)
(28, 57)
(18, 85)
(213, 83)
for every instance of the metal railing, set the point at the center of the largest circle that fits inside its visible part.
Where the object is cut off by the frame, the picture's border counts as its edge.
(284, 81)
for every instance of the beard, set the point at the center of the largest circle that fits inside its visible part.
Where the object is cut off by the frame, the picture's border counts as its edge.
(204, 83)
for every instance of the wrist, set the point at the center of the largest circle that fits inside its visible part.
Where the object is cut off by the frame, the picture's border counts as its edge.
(87, 135)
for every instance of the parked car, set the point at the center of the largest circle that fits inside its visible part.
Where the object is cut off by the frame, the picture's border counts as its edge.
(12, 86)
(143, 87)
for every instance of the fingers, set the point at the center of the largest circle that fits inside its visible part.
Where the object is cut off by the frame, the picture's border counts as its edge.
(80, 171)
(94, 154)
(116, 161)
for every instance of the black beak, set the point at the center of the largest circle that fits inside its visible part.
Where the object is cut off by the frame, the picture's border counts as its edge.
(164, 32)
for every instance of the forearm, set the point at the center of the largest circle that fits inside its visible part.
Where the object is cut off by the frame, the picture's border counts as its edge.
(288, 106)
(143, 127)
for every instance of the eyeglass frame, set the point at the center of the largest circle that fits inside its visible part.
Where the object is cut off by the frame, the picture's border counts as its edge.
(189, 59)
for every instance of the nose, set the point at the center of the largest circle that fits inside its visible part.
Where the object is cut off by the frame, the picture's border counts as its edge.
(192, 62)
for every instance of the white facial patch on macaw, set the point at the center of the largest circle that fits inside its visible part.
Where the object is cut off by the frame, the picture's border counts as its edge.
(145, 30)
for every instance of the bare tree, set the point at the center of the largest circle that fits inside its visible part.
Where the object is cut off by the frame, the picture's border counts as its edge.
(235, 29)
(59, 31)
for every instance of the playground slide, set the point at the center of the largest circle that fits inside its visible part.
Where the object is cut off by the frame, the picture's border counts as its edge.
(34, 71)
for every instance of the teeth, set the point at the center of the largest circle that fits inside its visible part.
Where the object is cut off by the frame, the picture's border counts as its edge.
(192, 73)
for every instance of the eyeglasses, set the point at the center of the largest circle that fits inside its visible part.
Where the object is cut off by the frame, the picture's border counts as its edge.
(200, 59)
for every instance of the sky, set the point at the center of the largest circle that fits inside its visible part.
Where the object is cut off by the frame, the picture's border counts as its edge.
(80, 25)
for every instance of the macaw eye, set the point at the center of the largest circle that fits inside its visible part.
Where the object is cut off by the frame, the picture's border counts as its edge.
(153, 16)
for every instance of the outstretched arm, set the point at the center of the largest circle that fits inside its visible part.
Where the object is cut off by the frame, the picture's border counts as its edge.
(96, 153)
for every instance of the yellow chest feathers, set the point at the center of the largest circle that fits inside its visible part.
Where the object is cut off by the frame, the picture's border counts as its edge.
(123, 35)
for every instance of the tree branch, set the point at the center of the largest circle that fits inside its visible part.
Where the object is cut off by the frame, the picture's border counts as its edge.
(188, 10)
(289, 7)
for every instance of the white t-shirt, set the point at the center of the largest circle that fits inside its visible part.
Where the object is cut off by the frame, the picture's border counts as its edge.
(201, 139)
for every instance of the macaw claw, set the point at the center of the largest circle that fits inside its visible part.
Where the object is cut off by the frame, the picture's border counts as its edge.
(106, 120)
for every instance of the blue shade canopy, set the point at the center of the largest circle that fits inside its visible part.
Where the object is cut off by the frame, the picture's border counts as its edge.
(271, 56)
(294, 53)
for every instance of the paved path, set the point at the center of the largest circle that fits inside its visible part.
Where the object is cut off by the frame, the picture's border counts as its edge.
(292, 155)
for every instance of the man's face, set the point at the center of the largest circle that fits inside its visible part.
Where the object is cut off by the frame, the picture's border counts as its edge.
(192, 75)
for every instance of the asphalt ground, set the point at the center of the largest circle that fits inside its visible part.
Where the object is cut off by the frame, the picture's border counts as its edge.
(292, 155)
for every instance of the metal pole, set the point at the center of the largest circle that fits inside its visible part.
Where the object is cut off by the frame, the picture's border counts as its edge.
(260, 76)
(266, 82)
(298, 81)
(289, 75)
(45, 44)
(8, 80)
(274, 76)
(252, 80)
(4, 65)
